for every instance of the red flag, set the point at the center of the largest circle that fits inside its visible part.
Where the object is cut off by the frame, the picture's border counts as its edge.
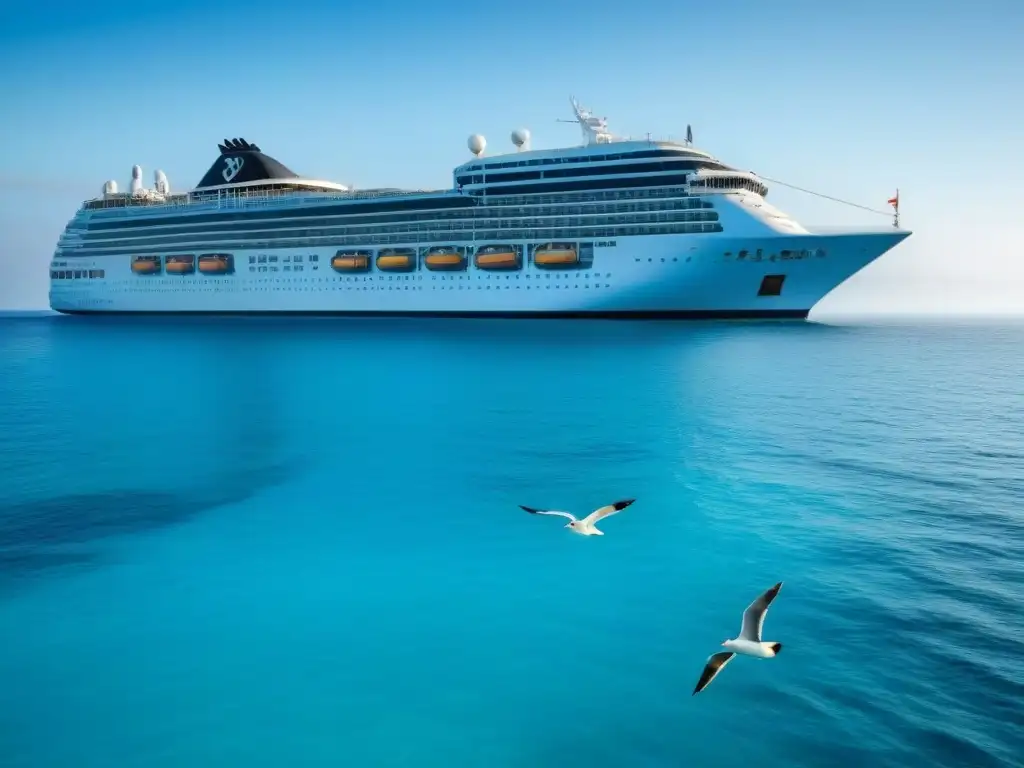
(895, 201)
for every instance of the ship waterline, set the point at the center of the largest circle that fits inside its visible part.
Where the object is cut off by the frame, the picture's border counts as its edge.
(615, 228)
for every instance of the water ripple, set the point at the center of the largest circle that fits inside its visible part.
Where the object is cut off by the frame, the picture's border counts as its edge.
(330, 558)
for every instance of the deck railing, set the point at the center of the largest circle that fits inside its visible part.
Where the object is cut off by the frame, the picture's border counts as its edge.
(244, 198)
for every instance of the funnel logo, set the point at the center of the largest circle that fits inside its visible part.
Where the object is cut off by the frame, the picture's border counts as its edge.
(232, 165)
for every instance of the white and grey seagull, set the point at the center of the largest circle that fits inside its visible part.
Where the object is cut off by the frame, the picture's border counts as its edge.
(584, 527)
(748, 643)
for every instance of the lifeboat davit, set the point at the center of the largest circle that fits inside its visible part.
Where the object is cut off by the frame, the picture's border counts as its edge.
(497, 257)
(350, 261)
(446, 258)
(554, 255)
(180, 265)
(396, 260)
(216, 263)
(146, 265)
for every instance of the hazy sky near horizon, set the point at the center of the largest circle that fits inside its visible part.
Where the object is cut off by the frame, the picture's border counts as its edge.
(851, 101)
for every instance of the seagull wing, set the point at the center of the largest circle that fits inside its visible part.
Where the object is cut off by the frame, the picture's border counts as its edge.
(533, 511)
(716, 663)
(606, 511)
(753, 617)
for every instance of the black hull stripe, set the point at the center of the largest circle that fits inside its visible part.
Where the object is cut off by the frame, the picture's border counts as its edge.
(652, 314)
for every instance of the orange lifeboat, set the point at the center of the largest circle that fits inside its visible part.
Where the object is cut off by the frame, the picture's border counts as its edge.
(446, 258)
(554, 255)
(497, 257)
(180, 265)
(146, 265)
(396, 260)
(215, 263)
(350, 261)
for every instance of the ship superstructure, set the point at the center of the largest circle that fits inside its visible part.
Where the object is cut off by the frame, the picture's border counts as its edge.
(615, 227)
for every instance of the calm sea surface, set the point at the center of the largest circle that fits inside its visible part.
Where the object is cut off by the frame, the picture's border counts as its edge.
(265, 543)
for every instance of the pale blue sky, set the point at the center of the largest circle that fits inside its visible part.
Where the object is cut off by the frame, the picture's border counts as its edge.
(852, 101)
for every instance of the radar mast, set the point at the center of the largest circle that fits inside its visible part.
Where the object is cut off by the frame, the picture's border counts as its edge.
(595, 129)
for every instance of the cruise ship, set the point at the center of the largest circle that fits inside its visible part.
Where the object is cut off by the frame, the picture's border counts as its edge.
(613, 227)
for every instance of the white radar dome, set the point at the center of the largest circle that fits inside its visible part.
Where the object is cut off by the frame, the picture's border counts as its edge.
(520, 137)
(110, 188)
(136, 179)
(160, 183)
(476, 144)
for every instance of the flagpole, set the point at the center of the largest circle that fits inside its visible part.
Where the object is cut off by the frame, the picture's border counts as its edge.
(895, 203)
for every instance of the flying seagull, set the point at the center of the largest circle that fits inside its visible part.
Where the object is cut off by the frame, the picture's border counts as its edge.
(584, 527)
(749, 642)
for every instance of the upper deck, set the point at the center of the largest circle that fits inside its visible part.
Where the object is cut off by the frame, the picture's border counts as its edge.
(625, 149)
(244, 177)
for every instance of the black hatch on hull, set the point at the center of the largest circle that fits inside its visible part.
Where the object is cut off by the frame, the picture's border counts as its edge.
(240, 162)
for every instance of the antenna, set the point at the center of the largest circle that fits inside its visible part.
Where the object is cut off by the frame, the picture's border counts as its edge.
(595, 129)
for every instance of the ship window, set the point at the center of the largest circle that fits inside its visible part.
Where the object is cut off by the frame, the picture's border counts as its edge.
(771, 285)
(515, 176)
(589, 184)
(401, 205)
(672, 222)
(667, 165)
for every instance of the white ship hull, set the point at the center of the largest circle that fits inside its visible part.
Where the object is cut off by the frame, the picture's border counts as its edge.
(685, 276)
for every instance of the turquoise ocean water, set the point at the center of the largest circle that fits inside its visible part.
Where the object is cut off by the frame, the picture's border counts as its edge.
(298, 543)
